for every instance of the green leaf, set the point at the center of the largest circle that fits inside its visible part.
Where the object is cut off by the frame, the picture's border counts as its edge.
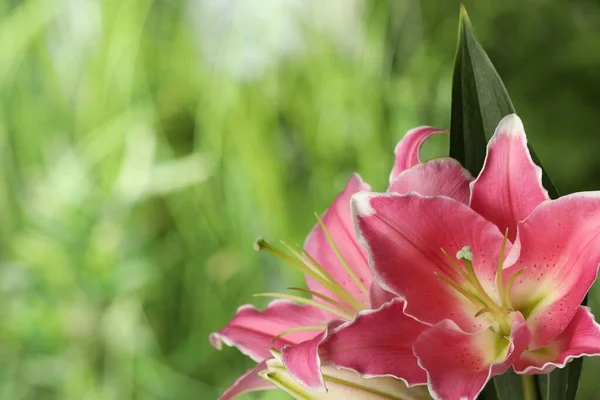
(561, 383)
(503, 387)
(479, 102)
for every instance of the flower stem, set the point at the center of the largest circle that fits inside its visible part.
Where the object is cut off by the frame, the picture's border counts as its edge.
(529, 387)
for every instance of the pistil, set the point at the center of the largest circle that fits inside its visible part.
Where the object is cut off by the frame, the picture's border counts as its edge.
(498, 310)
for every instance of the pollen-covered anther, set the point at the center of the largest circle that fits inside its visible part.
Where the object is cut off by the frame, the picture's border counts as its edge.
(259, 243)
(345, 306)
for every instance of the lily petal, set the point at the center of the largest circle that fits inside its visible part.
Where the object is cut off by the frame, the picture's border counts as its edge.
(378, 343)
(441, 176)
(459, 364)
(509, 186)
(404, 235)
(304, 364)
(338, 221)
(251, 381)
(378, 296)
(559, 247)
(303, 361)
(581, 338)
(407, 150)
(252, 331)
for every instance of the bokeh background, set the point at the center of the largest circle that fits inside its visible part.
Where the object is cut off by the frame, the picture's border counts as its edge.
(145, 144)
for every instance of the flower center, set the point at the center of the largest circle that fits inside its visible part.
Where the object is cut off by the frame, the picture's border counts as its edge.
(497, 310)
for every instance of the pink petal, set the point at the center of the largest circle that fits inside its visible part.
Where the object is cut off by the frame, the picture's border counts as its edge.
(520, 338)
(441, 176)
(378, 296)
(407, 150)
(253, 331)
(404, 235)
(302, 360)
(559, 246)
(303, 363)
(459, 364)
(581, 338)
(510, 185)
(377, 343)
(249, 382)
(338, 221)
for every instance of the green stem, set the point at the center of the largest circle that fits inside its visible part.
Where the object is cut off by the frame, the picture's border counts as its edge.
(529, 387)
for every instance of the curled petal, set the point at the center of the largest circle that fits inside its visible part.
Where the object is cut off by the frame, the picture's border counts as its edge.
(377, 343)
(303, 361)
(407, 150)
(252, 331)
(558, 248)
(509, 186)
(405, 235)
(378, 296)
(251, 381)
(439, 177)
(581, 338)
(338, 221)
(459, 364)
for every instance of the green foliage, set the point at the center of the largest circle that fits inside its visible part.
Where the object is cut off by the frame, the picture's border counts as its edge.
(137, 168)
(479, 99)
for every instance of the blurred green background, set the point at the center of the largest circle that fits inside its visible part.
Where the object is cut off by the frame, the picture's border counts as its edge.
(146, 144)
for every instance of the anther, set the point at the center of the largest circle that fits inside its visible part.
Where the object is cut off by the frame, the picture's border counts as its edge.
(311, 268)
(260, 243)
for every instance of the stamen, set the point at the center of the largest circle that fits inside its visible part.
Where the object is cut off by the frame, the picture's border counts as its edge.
(335, 288)
(276, 379)
(499, 312)
(331, 301)
(261, 244)
(509, 286)
(313, 266)
(311, 302)
(298, 329)
(301, 264)
(499, 275)
(460, 289)
(337, 252)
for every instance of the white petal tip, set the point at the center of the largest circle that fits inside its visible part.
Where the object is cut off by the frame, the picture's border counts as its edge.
(361, 203)
(356, 177)
(511, 125)
(215, 341)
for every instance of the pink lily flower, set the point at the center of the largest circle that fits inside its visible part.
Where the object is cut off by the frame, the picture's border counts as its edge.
(339, 281)
(484, 285)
